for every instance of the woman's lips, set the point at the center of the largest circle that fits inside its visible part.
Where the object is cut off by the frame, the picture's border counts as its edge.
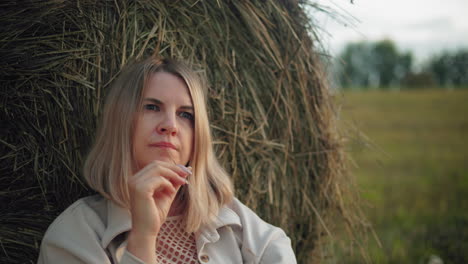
(163, 144)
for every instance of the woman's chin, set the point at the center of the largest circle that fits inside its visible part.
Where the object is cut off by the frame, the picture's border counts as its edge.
(163, 158)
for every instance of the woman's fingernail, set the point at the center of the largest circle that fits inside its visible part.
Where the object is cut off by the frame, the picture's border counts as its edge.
(184, 168)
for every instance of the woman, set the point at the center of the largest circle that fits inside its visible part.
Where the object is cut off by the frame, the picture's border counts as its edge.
(163, 196)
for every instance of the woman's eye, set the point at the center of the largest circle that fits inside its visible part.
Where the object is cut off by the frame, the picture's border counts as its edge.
(151, 107)
(187, 115)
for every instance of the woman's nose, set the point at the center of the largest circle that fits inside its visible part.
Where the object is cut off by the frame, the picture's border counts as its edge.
(168, 125)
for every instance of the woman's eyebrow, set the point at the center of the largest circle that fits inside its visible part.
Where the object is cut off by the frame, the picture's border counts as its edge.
(158, 102)
(153, 100)
(186, 107)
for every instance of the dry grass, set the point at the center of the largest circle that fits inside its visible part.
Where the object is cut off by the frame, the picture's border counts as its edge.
(269, 104)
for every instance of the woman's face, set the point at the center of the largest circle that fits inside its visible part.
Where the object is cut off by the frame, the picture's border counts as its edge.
(165, 122)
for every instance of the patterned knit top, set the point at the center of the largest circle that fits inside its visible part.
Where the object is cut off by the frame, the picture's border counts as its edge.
(174, 244)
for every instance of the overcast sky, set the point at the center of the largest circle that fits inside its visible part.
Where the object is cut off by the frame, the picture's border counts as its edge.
(424, 27)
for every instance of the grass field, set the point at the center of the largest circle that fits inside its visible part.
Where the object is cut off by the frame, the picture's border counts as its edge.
(411, 155)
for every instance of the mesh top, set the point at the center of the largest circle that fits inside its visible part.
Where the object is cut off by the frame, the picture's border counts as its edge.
(174, 245)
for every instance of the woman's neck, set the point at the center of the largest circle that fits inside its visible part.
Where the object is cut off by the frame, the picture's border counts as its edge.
(177, 206)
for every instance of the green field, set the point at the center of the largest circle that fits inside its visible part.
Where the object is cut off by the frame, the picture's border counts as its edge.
(411, 155)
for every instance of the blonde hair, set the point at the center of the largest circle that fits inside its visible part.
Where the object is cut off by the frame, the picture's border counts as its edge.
(110, 161)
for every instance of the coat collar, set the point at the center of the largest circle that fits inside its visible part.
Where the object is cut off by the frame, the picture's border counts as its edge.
(119, 221)
(209, 233)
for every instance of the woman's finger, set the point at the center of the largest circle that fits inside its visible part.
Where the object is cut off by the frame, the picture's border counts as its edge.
(158, 168)
(162, 186)
(146, 187)
(176, 177)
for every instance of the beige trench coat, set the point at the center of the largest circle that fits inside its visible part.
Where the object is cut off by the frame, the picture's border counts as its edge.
(94, 230)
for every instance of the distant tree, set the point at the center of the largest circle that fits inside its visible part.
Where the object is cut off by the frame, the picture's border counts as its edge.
(450, 68)
(377, 64)
(385, 58)
(355, 68)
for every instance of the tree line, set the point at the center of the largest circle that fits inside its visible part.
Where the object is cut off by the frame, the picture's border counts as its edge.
(381, 65)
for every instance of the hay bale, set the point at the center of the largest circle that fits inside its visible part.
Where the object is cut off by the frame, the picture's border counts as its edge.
(270, 108)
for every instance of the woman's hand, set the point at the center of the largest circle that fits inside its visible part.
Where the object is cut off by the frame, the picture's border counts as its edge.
(152, 191)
